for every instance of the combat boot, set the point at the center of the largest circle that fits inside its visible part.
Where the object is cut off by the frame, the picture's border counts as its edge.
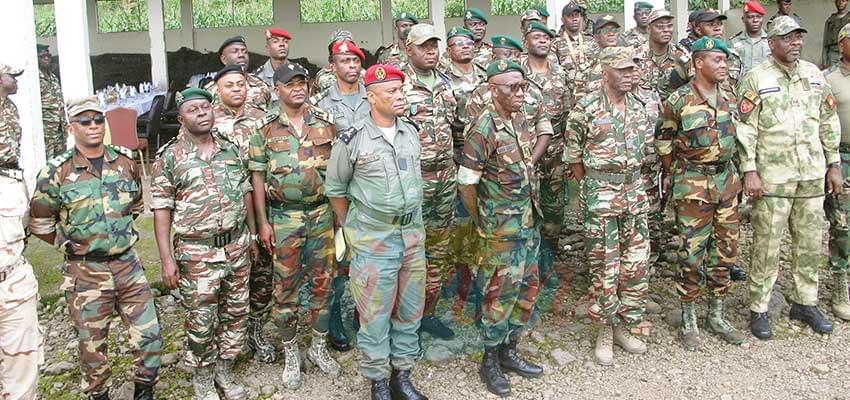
(318, 354)
(402, 388)
(291, 376)
(812, 317)
(627, 341)
(202, 383)
(263, 351)
(103, 395)
(760, 325)
(224, 380)
(337, 336)
(491, 373)
(716, 324)
(510, 361)
(381, 390)
(604, 352)
(690, 330)
(142, 391)
(737, 274)
(841, 297)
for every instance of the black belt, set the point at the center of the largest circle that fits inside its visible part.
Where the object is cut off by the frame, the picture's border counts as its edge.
(613, 177)
(12, 172)
(98, 258)
(387, 218)
(708, 169)
(218, 240)
(286, 205)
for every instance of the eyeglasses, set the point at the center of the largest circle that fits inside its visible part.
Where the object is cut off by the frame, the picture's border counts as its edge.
(516, 87)
(295, 84)
(86, 121)
(463, 43)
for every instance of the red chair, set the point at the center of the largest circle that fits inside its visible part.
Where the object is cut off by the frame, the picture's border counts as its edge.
(122, 126)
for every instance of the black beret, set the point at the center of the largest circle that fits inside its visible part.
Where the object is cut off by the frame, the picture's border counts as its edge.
(229, 41)
(229, 69)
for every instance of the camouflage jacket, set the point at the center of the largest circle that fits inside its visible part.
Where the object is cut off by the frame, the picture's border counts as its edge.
(609, 147)
(539, 123)
(788, 129)
(435, 113)
(665, 75)
(295, 163)
(392, 54)
(752, 53)
(259, 94)
(839, 81)
(734, 70)
(10, 134)
(830, 53)
(482, 54)
(237, 128)
(588, 80)
(52, 105)
(698, 132)
(91, 213)
(575, 55)
(497, 160)
(332, 102)
(634, 38)
(462, 87)
(556, 97)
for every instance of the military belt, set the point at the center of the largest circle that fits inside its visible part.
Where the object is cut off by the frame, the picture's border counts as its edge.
(844, 148)
(218, 240)
(613, 177)
(387, 218)
(291, 205)
(436, 165)
(11, 268)
(98, 258)
(708, 169)
(12, 173)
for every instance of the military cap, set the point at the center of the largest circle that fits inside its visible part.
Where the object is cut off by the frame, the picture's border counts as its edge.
(542, 11)
(474, 13)
(41, 47)
(694, 14)
(5, 69)
(289, 70)
(537, 26)
(421, 33)
(78, 106)
(783, 1)
(655, 15)
(229, 41)
(406, 16)
(459, 31)
(275, 32)
(603, 20)
(192, 93)
(571, 7)
(844, 32)
(347, 47)
(380, 73)
(642, 5)
(618, 57)
(499, 67)
(754, 7)
(530, 15)
(707, 43)
(229, 69)
(341, 34)
(709, 15)
(784, 25)
(506, 42)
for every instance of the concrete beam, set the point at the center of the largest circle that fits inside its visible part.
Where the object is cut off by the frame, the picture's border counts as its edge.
(159, 58)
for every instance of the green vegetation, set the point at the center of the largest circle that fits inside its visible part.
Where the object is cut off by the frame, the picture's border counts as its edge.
(319, 11)
(221, 13)
(45, 20)
(132, 15)
(513, 7)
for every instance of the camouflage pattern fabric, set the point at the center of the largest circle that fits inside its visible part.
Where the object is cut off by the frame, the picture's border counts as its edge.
(700, 135)
(588, 80)
(482, 54)
(769, 23)
(238, 128)
(538, 120)
(665, 74)
(752, 53)
(52, 115)
(393, 55)
(830, 53)
(634, 38)
(344, 116)
(574, 54)
(462, 85)
(837, 208)
(659, 232)
(259, 93)
(10, 133)
(734, 71)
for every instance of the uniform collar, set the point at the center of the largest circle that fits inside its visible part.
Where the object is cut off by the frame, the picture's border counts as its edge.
(190, 145)
(785, 70)
(375, 131)
(700, 98)
(335, 95)
(80, 161)
(283, 119)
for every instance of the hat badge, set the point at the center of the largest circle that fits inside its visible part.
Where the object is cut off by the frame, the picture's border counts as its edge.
(268, 33)
(468, 15)
(178, 97)
(380, 73)
(343, 48)
(709, 44)
(503, 65)
(608, 17)
(503, 41)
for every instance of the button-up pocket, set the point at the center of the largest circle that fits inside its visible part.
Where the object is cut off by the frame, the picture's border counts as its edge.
(127, 192)
(698, 131)
(79, 203)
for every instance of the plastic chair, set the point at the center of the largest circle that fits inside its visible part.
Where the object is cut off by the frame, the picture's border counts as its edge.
(122, 124)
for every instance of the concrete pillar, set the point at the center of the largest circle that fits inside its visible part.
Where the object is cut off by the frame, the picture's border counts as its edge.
(19, 52)
(187, 24)
(387, 25)
(554, 8)
(679, 9)
(723, 6)
(72, 37)
(437, 8)
(156, 31)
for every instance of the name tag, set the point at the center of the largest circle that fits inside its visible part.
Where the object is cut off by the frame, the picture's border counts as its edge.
(769, 90)
(506, 149)
(602, 121)
(367, 158)
(402, 164)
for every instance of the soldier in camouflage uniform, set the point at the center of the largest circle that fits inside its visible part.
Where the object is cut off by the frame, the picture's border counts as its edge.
(432, 106)
(235, 51)
(52, 111)
(500, 187)
(751, 43)
(710, 23)
(837, 207)
(20, 336)
(666, 64)
(696, 143)
(277, 47)
(375, 186)
(84, 203)
(289, 158)
(395, 53)
(606, 31)
(788, 136)
(605, 153)
(638, 35)
(831, 54)
(783, 8)
(475, 21)
(575, 49)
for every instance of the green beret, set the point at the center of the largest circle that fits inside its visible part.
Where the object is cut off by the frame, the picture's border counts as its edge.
(192, 93)
(459, 31)
(406, 16)
(642, 5)
(41, 47)
(542, 11)
(506, 42)
(536, 26)
(502, 66)
(474, 13)
(707, 43)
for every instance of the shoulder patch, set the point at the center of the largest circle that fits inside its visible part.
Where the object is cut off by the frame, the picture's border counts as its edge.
(346, 135)
(830, 102)
(122, 150)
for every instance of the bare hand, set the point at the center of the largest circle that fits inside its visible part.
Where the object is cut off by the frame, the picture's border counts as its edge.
(170, 273)
(578, 171)
(834, 180)
(255, 250)
(266, 234)
(665, 185)
(752, 185)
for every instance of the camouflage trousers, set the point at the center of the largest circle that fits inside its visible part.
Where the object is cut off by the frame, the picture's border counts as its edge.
(617, 252)
(388, 288)
(658, 236)
(709, 238)
(464, 239)
(439, 196)
(260, 284)
(804, 218)
(55, 137)
(552, 197)
(94, 291)
(508, 273)
(21, 350)
(303, 245)
(837, 208)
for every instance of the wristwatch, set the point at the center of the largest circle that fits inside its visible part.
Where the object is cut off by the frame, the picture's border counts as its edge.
(254, 237)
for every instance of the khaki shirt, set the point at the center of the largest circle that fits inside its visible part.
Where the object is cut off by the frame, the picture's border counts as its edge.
(752, 51)
(332, 102)
(839, 81)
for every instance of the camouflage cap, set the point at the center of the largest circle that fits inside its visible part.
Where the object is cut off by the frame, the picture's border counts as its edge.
(192, 93)
(784, 25)
(541, 9)
(604, 20)
(844, 32)
(421, 33)
(506, 42)
(503, 66)
(78, 106)
(340, 35)
(707, 43)
(41, 47)
(530, 15)
(642, 5)
(5, 69)
(459, 31)
(474, 13)
(655, 15)
(618, 57)
(406, 16)
(537, 26)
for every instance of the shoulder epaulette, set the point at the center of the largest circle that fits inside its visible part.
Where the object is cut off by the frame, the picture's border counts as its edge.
(123, 150)
(347, 134)
(445, 78)
(736, 35)
(269, 118)
(166, 146)
(60, 158)
(639, 98)
(316, 98)
(410, 121)
(322, 115)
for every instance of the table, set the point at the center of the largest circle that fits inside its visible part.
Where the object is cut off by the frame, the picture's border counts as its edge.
(141, 102)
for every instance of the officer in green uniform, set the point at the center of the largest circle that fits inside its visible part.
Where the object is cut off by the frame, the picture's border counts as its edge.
(831, 28)
(52, 111)
(475, 21)
(395, 54)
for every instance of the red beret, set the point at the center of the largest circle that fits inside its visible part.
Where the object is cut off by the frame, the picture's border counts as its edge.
(380, 73)
(347, 47)
(274, 32)
(754, 6)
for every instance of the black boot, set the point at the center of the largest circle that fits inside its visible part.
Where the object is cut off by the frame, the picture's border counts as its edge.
(104, 395)
(737, 274)
(402, 388)
(142, 392)
(338, 337)
(491, 373)
(436, 328)
(510, 361)
(812, 317)
(760, 325)
(381, 390)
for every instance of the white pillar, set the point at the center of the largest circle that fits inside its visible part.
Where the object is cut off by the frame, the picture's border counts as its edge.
(387, 25)
(19, 52)
(554, 8)
(437, 8)
(723, 6)
(72, 36)
(679, 9)
(156, 31)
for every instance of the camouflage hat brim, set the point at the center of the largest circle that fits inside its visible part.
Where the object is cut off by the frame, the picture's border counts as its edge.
(783, 32)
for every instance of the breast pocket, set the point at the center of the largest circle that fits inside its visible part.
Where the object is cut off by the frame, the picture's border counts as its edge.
(79, 204)
(127, 192)
(698, 131)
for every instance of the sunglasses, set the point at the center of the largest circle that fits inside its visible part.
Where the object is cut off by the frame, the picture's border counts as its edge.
(515, 87)
(87, 121)
(463, 43)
